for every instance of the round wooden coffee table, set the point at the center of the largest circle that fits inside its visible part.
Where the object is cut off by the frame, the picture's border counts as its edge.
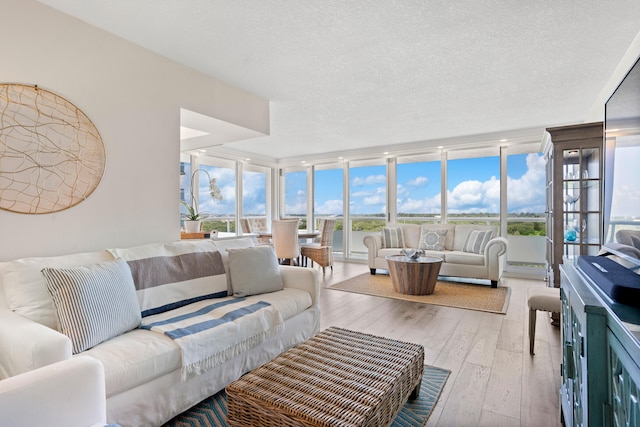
(414, 276)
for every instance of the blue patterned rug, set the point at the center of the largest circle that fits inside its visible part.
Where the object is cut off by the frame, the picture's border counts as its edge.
(212, 412)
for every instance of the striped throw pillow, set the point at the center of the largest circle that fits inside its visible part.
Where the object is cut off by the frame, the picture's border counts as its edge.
(392, 237)
(172, 275)
(94, 303)
(476, 241)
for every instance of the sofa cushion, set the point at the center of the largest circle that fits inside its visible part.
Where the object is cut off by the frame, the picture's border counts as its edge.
(437, 254)
(254, 271)
(289, 301)
(171, 275)
(465, 258)
(94, 302)
(432, 238)
(477, 240)
(140, 356)
(25, 288)
(392, 237)
(135, 358)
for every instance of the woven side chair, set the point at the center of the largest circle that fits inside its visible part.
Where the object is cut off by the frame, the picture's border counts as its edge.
(321, 251)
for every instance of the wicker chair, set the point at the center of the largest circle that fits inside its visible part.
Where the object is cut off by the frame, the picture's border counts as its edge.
(321, 251)
(255, 225)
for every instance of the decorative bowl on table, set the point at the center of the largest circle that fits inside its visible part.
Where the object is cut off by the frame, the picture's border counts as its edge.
(412, 253)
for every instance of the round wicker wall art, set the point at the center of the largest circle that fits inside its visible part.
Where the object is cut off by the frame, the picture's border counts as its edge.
(51, 155)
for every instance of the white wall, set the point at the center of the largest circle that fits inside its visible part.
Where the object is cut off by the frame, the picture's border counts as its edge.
(133, 97)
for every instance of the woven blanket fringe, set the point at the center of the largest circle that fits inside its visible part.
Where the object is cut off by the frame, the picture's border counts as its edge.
(201, 366)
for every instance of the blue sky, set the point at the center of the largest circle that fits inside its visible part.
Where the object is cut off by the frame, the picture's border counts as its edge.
(473, 187)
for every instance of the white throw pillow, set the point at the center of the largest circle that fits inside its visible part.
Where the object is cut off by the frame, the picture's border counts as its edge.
(26, 290)
(254, 271)
(476, 241)
(432, 239)
(94, 302)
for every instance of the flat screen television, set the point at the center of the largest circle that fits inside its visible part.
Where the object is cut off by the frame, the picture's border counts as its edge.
(621, 207)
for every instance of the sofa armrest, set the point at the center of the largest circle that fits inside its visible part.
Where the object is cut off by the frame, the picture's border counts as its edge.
(373, 242)
(26, 345)
(302, 278)
(64, 394)
(494, 254)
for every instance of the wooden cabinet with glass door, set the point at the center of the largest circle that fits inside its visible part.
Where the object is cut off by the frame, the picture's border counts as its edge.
(576, 185)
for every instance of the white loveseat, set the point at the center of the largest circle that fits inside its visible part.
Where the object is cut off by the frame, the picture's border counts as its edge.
(461, 258)
(145, 377)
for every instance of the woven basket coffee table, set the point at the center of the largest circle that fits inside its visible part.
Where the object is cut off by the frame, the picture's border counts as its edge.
(337, 378)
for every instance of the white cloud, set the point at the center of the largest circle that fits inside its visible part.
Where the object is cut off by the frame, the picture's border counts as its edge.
(330, 207)
(368, 180)
(528, 193)
(430, 205)
(418, 181)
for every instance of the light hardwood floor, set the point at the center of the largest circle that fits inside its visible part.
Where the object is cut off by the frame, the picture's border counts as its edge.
(494, 381)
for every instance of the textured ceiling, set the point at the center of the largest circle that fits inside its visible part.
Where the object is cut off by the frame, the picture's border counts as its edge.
(360, 74)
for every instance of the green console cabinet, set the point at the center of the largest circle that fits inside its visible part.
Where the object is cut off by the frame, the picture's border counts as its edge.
(600, 355)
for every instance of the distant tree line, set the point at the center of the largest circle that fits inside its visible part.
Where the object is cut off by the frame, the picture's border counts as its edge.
(377, 223)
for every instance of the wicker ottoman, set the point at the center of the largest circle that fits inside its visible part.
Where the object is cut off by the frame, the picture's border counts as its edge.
(337, 378)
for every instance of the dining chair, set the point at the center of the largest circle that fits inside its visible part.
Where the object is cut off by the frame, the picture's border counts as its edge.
(322, 250)
(255, 225)
(284, 236)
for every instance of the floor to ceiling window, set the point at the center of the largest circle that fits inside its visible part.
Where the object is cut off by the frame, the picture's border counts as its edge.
(418, 189)
(221, 213)
(401, 189)
(328, 184)
(254, 191)
(473, 187)
(526, 204)
(295, 196)
(367, 201)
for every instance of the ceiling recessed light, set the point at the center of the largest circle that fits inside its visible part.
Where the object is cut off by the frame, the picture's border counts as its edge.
(503, 140)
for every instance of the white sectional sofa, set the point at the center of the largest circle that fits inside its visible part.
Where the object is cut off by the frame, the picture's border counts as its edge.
(149, 377)
(466, 250)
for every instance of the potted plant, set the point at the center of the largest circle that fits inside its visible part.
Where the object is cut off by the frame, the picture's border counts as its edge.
(192, 218)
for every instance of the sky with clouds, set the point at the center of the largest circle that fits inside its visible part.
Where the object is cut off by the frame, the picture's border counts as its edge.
(473, 188)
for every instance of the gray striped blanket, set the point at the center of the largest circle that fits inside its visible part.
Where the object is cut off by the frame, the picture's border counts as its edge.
(211, 332)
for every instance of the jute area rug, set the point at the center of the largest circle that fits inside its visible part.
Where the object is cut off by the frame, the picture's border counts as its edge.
(452, 294)
(212, 412)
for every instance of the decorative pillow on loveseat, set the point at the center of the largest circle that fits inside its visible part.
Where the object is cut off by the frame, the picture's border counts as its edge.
(432, 239)
(477, 240)
(94, 303)
(254, 270)
(392, 237)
